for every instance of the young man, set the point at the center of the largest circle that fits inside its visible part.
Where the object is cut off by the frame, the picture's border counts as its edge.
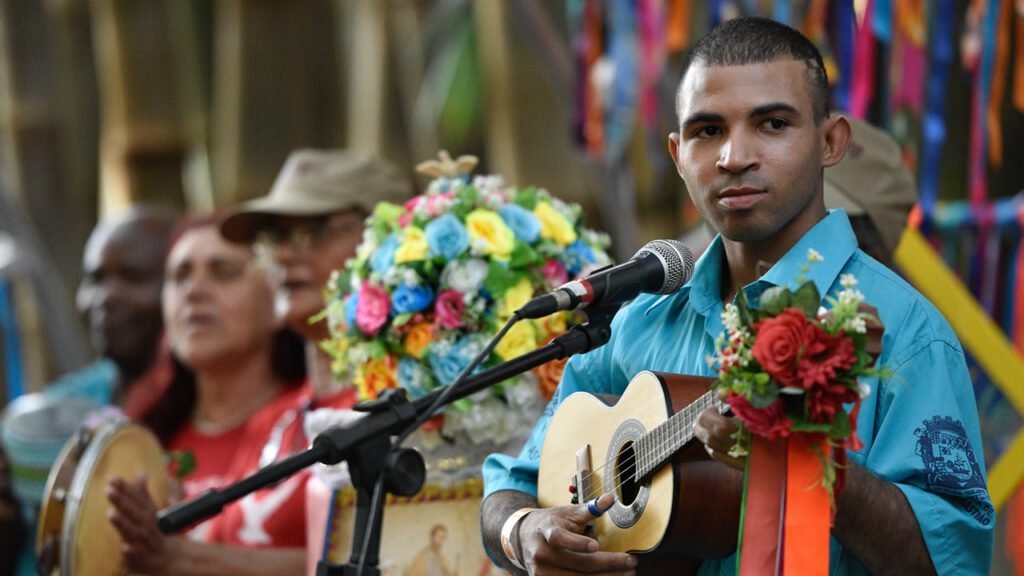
(754, 139)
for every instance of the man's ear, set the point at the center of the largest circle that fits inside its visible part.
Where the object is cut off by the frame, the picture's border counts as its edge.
(837, 133)
(673, 151)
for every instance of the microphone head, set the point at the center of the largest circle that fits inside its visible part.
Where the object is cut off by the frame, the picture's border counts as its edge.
(676, 259)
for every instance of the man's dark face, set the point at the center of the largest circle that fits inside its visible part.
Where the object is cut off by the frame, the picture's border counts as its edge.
(119, 297)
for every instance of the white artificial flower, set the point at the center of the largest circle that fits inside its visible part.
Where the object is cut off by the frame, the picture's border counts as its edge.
(847, 281)
(814, 256)
(466, 277)
(863, 390)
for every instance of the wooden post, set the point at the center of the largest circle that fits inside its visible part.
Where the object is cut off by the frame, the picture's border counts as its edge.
(276, 89)
(148, 85)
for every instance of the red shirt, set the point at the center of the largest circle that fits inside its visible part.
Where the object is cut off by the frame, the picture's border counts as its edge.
(275, 516)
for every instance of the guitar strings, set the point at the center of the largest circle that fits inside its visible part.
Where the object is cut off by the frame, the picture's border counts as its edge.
(686, 416)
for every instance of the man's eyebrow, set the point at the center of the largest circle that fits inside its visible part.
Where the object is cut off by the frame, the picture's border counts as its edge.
(701, 117)
(772, 108)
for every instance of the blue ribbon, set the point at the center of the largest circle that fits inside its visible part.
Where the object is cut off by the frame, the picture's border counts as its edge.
(12, 345)
(934, 119)
(620, 115)
(843, 30)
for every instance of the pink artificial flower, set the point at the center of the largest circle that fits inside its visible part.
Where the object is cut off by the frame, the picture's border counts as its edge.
(554, 272)
(373, 308)
(449, 309)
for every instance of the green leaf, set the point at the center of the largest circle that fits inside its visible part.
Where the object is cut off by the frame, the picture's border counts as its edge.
(523, 256)
(775, 299)
(499, 279)
(527, 198)
(841, 425)
(401, 319)
(764, 396)
(802, 426)
(387, 214)
(807, 299)
(743, 307)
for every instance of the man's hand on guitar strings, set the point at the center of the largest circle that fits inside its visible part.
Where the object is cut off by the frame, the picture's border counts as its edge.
(716, 431)
(552, 541)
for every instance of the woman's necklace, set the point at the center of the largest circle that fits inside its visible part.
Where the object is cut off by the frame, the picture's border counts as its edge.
(209, 427)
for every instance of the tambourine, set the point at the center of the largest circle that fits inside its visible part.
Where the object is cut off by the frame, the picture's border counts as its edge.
(75, 537)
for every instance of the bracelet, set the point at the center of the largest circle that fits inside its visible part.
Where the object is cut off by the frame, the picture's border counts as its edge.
(506, 535)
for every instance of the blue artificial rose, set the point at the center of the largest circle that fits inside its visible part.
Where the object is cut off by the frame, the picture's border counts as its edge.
(447, 237)
(523, 223)
(384, 258)
(447, 361)
(578, 256)
(407, 299)
(414, 377)
(351, 305)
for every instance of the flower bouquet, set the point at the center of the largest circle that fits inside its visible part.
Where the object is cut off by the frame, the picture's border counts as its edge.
(435, 279)
(788, 369)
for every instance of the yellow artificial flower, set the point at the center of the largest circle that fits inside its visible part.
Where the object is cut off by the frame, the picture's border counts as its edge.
(413, 247)
(488, 231)
(375, 377)
(553, 225)
(550, 326)
(514, 298)
(417, 340)
(519, 340)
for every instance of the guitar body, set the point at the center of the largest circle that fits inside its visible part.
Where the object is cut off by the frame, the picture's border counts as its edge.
(687, 508)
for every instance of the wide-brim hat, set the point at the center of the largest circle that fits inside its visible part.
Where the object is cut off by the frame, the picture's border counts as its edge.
(872, 180)
(319, 183)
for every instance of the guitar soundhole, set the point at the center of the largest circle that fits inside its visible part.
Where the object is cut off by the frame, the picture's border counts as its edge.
(625, 471)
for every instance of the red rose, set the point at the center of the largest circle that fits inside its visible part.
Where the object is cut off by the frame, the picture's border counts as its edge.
(770, 422)
(824, 357)
(825, 400)
(779, 343)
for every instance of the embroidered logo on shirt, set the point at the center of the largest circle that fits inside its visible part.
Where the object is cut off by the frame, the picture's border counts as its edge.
(952, 468)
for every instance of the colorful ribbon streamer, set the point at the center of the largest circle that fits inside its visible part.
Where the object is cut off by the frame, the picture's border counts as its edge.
(787, 515)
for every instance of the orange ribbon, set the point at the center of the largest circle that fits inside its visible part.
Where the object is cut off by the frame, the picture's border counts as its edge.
(786, 513)
(999, 72)
(808, 509)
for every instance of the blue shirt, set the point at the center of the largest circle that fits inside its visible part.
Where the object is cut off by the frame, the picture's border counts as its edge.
(919, 426)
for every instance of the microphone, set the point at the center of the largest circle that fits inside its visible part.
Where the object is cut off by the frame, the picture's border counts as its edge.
(660, 267)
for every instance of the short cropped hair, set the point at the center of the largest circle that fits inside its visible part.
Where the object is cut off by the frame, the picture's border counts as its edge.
(753, 40)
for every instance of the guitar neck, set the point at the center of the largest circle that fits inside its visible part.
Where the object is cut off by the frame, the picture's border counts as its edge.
(659, 444)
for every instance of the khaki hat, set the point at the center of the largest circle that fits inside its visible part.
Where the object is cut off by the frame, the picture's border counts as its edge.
(318, 183)
(871, 179)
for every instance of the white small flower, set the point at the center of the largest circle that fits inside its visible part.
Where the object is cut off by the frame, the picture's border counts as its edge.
(856, 324)
(851, 297)
(791, 390)
(410, 277)
(731, 318)
(847, 281)
(814, 256)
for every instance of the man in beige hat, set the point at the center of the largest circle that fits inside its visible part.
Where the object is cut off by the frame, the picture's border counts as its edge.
(874, 188)
(308, 226)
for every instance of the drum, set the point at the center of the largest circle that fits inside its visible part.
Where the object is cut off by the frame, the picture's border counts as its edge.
(74, 537)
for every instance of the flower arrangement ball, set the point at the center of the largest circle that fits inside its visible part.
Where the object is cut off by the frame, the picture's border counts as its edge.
(436, 278)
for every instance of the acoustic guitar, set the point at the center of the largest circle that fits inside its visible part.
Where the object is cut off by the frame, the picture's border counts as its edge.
(670, 498)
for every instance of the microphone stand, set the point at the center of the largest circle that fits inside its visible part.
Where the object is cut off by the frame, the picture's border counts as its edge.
(366, 445)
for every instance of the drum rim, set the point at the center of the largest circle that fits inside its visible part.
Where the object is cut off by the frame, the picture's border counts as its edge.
(80, 482)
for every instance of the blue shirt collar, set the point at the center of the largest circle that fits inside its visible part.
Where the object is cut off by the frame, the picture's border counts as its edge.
(833, 238)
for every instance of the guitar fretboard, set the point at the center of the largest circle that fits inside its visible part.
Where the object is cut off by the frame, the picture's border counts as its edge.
(659, 444)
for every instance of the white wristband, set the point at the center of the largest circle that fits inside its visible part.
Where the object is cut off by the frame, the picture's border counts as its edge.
(506, 536)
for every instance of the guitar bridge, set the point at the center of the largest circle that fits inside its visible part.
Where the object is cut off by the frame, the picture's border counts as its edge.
(583, 480)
